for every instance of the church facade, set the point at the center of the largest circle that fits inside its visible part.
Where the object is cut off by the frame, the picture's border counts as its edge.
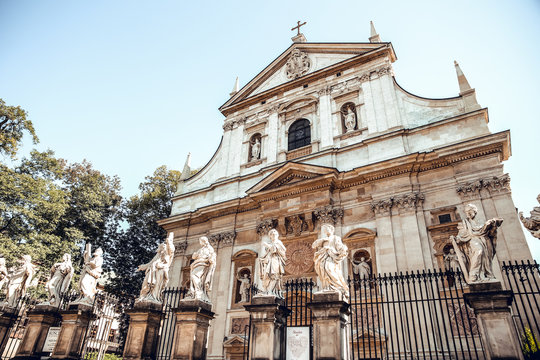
(325, 134)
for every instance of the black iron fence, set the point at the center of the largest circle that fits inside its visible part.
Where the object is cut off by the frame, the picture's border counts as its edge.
(171, 300)
(299, 293)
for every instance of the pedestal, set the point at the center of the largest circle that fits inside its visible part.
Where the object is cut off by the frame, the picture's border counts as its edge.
(74, 324)
(142, 336)
(7, 318)
(491, 306)
(329, 320)
(40, 319)
(192, 321)
(267, 334)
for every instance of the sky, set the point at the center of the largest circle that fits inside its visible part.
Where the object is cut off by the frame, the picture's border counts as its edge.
(132, 85)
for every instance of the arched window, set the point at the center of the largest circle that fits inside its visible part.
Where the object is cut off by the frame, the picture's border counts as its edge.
(299, 134)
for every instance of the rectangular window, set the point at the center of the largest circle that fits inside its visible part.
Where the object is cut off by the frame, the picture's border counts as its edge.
(445, 218)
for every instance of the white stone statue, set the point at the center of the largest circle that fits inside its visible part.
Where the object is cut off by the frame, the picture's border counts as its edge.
(329, 255)
(245, 283)
(350, 120)
(202, 271)
(19, 280)
(475, 246)
(3, 273)
(60, 280)
(362, 269)
(451, 260)
(90, 274)
(272, 264)
(532, 223)
(256, 149)
(157, 272)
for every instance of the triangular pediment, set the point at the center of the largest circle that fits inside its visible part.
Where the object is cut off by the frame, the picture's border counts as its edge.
(234, 341)
(298, 61)
(289, 174)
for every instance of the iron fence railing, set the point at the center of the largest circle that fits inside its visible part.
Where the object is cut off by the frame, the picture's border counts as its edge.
(171, 300)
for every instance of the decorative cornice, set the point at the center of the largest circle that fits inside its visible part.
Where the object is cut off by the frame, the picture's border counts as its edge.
(328, 214)
(375, 74)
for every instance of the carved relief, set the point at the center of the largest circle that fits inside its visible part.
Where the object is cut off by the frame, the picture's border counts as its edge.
(299, 258)
(469, 189)
(374, 74)
(180, 248)
(328, 214)
(382, 207)
(238, 326)
(409, 202)
(265, 226)
(325, 91)
(497, 184)
(532, 223)
(222, 239)
(297, 65)
(348, 117)
(296, 225)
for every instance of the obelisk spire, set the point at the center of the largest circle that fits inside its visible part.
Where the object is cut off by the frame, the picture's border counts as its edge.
(465, 91)
(464, 85)
(374, 37)
(186, 172)
(235, 88)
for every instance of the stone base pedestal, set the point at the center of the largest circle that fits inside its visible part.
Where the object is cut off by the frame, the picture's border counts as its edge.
(268, 320)
(7, 318)
(40, 319)
(142, 336)
(192, 321)
(491, 306)
(329, 320)
(74, 324)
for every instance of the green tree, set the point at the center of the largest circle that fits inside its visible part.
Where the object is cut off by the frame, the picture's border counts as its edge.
(13, 125)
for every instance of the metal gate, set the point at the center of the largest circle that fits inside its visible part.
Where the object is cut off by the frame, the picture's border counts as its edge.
(171, 300)
(298, 294)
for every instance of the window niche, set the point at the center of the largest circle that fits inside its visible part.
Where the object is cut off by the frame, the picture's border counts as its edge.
(349, 117)
(299, 134)
(444, 222)
(243, 269)
(254, 153)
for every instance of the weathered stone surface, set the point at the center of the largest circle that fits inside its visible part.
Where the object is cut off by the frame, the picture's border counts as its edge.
(40, 319)
(74, 324)
(142, 337)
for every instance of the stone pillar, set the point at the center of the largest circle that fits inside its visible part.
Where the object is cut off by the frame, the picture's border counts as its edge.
(329, 320)
(142, 336)
(7, 319)
(267, 334)
(385, 246)
(491, 306)
(325, 119)
(40, 319)
(192, 322)
(74, 324)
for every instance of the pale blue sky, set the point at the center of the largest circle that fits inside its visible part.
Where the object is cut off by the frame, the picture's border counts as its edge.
(131, 85)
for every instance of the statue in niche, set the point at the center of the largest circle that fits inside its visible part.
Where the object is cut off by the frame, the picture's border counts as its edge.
(272, 264)
(3, 273)
(349, 118)
(156, 271)
(19, 280)
(90, 274)
(451, 261)
(475, 246)
(245, 283)
(329, 255)
(60, 280)
(202, 271)
(532, 223)
(256, 149)
(361, 269)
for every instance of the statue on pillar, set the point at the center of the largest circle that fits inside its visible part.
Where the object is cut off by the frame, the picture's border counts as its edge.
(157, 272)
(272, 264)
(3, 273)
(202, 271)
(59, 281)
(19, 280)
(475, 246)
(90, 274)
(532, 223)
(329, 255)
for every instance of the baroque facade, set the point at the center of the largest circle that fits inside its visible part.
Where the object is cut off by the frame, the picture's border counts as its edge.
(325, 134)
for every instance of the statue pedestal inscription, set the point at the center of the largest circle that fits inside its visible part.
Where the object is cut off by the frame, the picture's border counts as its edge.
(267, 337)
(40, 319)
(329, 320)
(491, 306)
(74, 324)
(192, 321)
(142, 336)
(298, 343)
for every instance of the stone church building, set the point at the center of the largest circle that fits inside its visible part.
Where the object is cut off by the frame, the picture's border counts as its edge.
(326, 134)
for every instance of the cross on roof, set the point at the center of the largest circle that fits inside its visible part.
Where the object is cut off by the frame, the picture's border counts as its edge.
(297, 27)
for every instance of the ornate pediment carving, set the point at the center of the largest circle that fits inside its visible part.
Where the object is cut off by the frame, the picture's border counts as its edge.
(298, 64)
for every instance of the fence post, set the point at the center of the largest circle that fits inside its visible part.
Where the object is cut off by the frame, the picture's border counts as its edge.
(40, 319)
(491, 306)
(192, 321)
(267, 337)
(142, 336)
(75, 321)
(329, 320)
(7, 319)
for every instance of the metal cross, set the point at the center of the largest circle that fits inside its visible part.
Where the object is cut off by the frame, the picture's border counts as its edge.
(298, 27)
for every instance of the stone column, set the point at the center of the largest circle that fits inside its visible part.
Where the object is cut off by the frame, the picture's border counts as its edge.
(491, 306)
(7, 319)
(329, 320)
(142, 336)
(272, 131)
(411, 240)
(192, 321)
(325, 118)
(267, 334)
(385, 246)
(40, 319)
(74, 324)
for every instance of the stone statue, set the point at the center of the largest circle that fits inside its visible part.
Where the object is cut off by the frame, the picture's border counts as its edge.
(245, 283)
(256, 149)
(475, 246)
(329, 254)
(3, 273)
(157, 272)
(202, 271)
(451, 260)
(362, 269)
(350, 120)
(19, 280)
(90, 274)
(532, 223)
(272, 264)
(60, 280)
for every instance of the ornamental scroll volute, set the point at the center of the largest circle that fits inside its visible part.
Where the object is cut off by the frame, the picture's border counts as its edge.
(297, 65)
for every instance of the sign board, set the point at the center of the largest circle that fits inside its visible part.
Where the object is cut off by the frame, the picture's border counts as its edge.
(298, 345)
(52, 338)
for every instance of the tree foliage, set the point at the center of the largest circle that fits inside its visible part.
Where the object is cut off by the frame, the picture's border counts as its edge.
(13, 125)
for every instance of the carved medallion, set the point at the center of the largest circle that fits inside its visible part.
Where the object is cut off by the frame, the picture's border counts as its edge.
(297, 65)
(296, 225)
(299, 258)
(238, 325)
